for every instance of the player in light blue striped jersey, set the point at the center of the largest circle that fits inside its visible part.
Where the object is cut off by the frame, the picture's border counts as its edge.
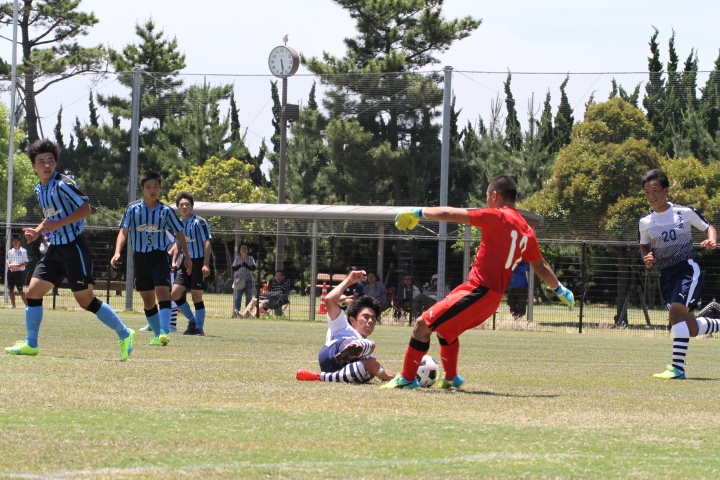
(64, 208)
(666, 242)
(145, 222)
(197, 235)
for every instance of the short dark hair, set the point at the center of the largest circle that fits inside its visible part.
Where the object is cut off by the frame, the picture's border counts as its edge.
(361, 303)
(505, 187)
(280, 271)
(655, 174)
(43, 146)
(15, 236)
(150, 175)
(187, 196)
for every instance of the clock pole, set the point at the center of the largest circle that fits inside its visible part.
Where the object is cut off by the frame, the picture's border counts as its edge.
(280, 244)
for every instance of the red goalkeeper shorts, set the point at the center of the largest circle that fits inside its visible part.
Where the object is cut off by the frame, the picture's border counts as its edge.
(464, 308)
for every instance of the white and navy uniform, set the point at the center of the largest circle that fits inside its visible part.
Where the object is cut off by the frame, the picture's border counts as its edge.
(340, 334)
(146, 229)
(669, 235)
(16, 257)
(68, 255)
(197, 232)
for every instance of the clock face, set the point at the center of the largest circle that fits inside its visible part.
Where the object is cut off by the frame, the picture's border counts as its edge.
(283, 61)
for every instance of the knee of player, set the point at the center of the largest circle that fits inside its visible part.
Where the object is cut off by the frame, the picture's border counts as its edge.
(372, 365)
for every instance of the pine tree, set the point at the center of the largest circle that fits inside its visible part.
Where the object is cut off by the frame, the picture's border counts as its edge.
(50, 52)
(563, 120)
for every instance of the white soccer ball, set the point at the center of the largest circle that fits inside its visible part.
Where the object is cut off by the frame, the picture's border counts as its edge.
(428, 372)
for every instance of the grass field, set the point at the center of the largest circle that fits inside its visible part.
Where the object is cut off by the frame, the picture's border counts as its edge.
(225, 406)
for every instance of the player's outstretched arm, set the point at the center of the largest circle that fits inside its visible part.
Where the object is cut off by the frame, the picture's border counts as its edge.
(544, 271)
(333, 298)
(409, 219)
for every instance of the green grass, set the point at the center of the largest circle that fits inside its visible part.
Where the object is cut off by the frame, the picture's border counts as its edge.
(536, 405)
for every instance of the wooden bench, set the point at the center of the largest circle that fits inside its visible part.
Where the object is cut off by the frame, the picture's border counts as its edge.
(101, 285)
(325, 278)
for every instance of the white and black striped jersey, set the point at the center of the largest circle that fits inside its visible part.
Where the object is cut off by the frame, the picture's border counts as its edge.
(340, 328)
(147, 226)
(196, 231)
(669, 233)
(58, 198)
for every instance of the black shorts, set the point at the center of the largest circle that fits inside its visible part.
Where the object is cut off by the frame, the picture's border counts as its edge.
(152, 269)
(16, 280)
(194, 281)
(68, 260)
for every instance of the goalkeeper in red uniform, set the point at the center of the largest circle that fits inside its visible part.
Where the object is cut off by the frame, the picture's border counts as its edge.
(507, 240)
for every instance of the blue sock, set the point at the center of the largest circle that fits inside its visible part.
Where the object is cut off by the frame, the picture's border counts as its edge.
(200, 319)
(33, 319)
(187, 311)
(165, 314)
(154, 322)
(110, 318)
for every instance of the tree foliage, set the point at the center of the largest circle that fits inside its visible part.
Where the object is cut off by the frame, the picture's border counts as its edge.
(24, 178)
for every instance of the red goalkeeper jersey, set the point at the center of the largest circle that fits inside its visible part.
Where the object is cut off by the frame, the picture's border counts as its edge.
(506, 240)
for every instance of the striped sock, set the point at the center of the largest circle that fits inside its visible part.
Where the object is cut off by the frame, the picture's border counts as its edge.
(681, 340)
(707, 325)
(351, 373)
(173, 315)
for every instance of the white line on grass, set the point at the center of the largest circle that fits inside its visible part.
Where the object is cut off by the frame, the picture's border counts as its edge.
(370, 463)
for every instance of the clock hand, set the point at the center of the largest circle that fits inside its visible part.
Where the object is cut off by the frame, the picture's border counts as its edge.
(282, 67)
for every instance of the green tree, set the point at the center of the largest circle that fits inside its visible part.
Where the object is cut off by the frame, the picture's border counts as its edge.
(24, 178)
(563, 120)
(594, 183)
(375, 83)
(513, 131)
(50, 52)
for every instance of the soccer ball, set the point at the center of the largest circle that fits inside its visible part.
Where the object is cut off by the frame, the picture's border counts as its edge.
(428, 371)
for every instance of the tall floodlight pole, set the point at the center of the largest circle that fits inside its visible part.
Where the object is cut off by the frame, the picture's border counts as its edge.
(11, 146)
(132, 191)
(444, 167)
(283, 62)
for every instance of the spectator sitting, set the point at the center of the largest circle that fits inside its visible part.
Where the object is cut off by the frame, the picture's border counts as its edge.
(352, 291)
(277, 295)
(406, 294)
(427, 298)
(376, 289)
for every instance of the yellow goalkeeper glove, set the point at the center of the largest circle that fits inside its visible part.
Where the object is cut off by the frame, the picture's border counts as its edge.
(408, 219)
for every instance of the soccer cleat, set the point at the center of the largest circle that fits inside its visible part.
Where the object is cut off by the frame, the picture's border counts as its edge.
(146, 328)
(155, 342)
(399, 382)
(199, 333)
(671, 373)
(164, 339)
(350, 352)
(22, 348)
(308, 376)
(191, 329)
(126, 345)
(456, 382)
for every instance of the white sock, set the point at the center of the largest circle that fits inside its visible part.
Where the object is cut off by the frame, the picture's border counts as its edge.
(351, 373)
(707, 325)
(681, 340)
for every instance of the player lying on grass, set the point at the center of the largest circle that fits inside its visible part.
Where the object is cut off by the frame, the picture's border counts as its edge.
(507, 240)
(347, 353)
(666, 242)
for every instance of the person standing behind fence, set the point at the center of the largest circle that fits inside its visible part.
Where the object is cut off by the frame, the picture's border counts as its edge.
(666, 242)
(507, 240)
(243, 279)
(145, 221)
(64, 209)
(517, 293)
(16, 259)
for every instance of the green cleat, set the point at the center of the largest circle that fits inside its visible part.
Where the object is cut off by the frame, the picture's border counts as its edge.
(22, 348)
(164, 339)
(155, 342)
(456, 382)
(671, 373)
(126, 345)
(399, 382)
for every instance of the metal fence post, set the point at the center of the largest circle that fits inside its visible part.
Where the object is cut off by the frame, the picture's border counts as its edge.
(582, 282)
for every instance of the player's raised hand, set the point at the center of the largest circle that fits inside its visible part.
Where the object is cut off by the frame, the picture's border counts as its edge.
(408, 219)
(565, 295)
